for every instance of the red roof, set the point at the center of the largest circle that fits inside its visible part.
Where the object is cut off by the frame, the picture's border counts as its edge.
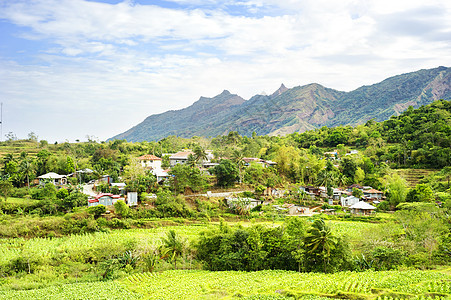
(104, 194)
(149, 157)
(93, 200)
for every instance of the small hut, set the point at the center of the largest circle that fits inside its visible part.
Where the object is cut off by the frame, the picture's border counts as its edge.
(362, 208)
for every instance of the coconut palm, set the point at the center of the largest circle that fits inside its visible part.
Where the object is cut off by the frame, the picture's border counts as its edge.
(200, 154)
(173, 247)
(238, 159)
(320, 241)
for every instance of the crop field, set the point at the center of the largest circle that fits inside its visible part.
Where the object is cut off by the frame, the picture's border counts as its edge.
(71, 246)
(265, 284)
(184, 284)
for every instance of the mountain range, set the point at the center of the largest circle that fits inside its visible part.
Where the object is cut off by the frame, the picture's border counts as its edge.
(297, 109)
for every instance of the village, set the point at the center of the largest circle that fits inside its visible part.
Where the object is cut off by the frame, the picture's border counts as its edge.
(355, 199)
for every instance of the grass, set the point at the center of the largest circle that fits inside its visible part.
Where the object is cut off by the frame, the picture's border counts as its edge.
(20, 200)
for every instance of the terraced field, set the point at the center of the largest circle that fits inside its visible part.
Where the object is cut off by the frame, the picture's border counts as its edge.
(413, 176)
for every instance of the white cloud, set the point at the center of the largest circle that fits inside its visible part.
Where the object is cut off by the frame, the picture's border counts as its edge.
(119, 63)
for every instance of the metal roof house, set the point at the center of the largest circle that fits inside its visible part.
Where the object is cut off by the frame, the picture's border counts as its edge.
(362, 208)
(52, 177)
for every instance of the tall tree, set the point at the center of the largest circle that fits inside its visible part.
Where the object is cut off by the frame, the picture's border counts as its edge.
(320, 241)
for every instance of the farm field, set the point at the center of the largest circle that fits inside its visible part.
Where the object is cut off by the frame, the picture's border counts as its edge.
(11, 248)
(195, 284)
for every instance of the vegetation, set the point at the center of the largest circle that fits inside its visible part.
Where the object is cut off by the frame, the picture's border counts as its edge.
(50, 237)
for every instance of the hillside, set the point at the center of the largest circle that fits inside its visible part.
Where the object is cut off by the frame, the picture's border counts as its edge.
(297, 109)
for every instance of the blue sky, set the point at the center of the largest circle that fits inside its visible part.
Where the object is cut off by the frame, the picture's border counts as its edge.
(72, 68)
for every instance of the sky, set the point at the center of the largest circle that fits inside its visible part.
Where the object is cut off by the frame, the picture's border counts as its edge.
(73, 69)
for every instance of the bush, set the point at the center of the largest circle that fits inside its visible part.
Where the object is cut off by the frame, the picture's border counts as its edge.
(20, 192)
(387, 258)
(97, 210)
(62, 193)
(75, 199)
(121, 209)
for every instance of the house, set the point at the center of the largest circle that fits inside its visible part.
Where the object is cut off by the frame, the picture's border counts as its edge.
(150, 161)
(160, 174)
(249, 160)
(52, 177)
(104, 199)
(362, 208)
(298, 210)
(349, 201)
(353, 152)
(372, 194)
(248, 203)
(355, 185)
(306, 191)
(331, 154)
(179, 157)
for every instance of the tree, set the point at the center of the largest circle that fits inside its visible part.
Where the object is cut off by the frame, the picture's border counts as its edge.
(421, 193)
(26, 168)
(5, 188)
(319, 241)
(75, 199)
(173, 247)
(357, 192)
(226, 173)
(191, 161)
(200, 154)
(349, 167)
(121, 208)
(328, 176)
(33, 137)
(396, 189)
(238, 159)
(186, 176)
(359, 175)
(133, 172)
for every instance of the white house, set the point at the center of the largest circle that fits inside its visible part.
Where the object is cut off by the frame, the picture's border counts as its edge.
(372, 194)
(180, 157)
(150, 161)
(52, 177)
(248, 203)
(349, 201)
(160, 174)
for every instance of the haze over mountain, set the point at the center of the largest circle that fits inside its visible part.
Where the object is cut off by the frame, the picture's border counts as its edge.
(297, 109)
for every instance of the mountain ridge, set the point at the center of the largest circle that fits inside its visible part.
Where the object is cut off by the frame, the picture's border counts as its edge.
(296, 109)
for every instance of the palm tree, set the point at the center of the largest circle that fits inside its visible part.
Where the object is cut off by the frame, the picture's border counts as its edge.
(191, 161)
(238, 159)
(320, 240)
(173, 247)
(27, 169)
(200, 154)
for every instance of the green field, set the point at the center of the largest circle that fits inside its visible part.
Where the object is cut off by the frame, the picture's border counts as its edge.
(184, 284)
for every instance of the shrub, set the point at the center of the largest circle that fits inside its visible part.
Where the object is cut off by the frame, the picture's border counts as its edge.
(62, 193)
(97, 210)
(121, 209)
